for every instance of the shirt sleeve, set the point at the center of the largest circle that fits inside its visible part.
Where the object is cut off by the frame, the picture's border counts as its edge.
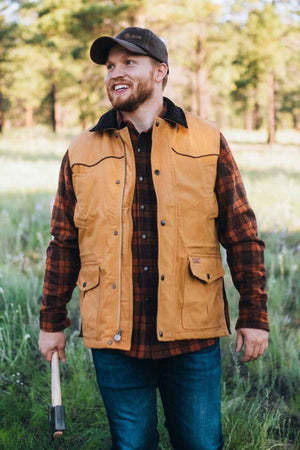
(62, 259)
(237, 232)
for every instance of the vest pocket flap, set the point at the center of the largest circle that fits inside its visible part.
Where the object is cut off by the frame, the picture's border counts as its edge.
(199, 152)
(206, 268)
(89, 277)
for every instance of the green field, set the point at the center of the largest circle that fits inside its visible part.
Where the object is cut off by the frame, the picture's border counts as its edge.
(260, 400)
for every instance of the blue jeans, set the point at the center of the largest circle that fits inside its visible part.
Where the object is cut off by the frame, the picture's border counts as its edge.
(190, 389)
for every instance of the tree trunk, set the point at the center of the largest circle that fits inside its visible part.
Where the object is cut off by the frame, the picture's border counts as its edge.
(52, 107)
(29, 117)
(201, 73)
(256, 116)
(296, 120)
(271, 108)
(1, 113)
(248, 120)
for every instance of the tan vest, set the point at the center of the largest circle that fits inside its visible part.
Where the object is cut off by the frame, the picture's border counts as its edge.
(190, 292)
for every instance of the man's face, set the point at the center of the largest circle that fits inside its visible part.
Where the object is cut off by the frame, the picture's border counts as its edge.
(129, 80)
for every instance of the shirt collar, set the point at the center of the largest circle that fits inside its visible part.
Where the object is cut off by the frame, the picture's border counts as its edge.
(109, 120)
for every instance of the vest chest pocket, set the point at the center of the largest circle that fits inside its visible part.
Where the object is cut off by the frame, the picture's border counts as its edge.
(89, 197)
(195, 170)
(89, 285)
(203, 304)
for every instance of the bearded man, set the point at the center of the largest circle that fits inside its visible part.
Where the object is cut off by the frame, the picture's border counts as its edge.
(145, 198)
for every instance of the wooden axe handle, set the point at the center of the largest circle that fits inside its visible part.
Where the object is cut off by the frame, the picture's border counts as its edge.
(55, 386)
(55, 381)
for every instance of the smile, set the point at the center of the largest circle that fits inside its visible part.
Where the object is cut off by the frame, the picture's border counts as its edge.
(120, 87)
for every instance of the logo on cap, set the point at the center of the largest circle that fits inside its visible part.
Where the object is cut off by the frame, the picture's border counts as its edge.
(132, 36)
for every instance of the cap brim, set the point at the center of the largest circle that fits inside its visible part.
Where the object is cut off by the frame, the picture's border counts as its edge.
(101, 46)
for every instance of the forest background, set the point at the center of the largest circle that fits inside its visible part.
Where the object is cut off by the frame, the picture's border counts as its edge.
(235, 62)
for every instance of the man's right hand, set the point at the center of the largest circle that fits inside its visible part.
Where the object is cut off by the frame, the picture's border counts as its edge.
(49, 343)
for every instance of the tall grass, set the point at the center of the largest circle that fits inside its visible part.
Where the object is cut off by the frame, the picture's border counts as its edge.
(260, 400)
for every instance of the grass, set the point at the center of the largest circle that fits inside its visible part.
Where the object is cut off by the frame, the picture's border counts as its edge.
(260, 400)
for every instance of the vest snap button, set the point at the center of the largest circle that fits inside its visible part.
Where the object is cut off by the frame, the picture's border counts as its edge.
(114, 286)
(115, 232)
(157, 172)
(84, 284)
(161, 334)
(109, 342)
(118, 182)
(163, 223)
(208, 276)
(157, 123)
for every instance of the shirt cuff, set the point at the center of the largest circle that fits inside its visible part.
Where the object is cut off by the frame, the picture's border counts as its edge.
(53, 321)
(257, 320)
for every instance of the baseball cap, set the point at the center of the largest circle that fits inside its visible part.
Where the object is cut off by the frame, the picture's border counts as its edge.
(137, 40)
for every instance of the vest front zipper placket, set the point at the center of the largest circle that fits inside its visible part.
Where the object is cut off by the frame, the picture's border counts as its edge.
(118, 335)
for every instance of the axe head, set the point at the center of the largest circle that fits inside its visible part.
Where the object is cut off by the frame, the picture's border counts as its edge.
(56, 421)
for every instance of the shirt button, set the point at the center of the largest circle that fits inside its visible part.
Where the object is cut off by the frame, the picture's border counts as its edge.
(142, 207)
(114, 286)
(163, 223)
(161, 334)
(145, 268)
(109, 342)
(141, 178)
(157, 172)
(162, 277)
(144, 236)
(139, 150)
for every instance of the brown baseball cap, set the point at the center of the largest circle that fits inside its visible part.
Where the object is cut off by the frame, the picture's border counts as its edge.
(137, 40)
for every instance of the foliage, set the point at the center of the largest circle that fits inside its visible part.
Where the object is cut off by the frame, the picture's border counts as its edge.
(223, 57)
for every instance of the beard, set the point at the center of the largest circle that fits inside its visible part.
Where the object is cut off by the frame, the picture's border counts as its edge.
(143, 91)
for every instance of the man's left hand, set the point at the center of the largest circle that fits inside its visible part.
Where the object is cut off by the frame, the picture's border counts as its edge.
(254, 341)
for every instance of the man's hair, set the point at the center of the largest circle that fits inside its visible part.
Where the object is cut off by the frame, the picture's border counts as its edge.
(155, 62)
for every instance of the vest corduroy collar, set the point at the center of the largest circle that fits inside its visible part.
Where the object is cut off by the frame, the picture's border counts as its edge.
(109, 120)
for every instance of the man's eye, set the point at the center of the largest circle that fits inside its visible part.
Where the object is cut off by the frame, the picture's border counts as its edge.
(109, 66)
(129, 62)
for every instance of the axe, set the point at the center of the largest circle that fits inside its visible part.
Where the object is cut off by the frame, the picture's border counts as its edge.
(56, 410)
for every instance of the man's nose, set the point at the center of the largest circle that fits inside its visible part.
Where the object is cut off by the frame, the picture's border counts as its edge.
(118, 71)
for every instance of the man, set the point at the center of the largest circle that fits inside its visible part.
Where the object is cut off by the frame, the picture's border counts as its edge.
(144, 199)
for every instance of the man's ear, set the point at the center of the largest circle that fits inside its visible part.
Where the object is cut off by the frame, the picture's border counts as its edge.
(161, 72)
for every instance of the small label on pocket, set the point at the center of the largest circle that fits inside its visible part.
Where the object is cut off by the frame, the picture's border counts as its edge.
(196, 260)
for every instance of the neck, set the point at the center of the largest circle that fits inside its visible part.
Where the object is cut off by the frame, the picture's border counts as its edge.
(143, 117)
